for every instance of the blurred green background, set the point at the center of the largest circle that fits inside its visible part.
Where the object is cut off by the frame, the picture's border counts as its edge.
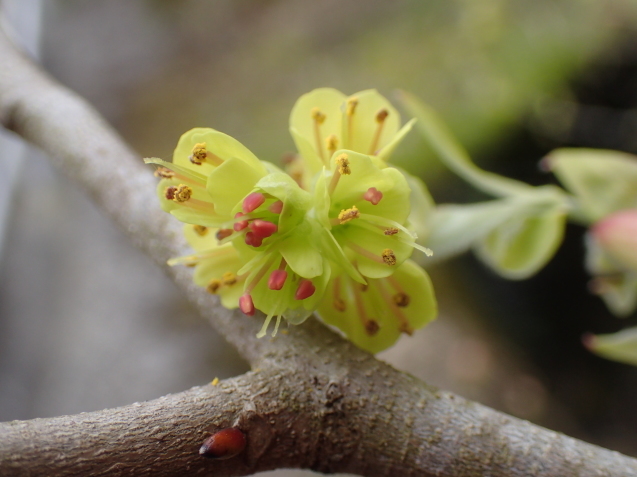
(513, 78)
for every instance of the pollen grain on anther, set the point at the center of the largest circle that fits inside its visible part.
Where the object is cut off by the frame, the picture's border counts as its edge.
(331, 142)
(182, 193)
(213, 286)
(199, 153)
(371, 327)
(223, 233)
(348, 214)
(342, 162)
(339, 304)
(390, 231)
(169, 192)
(389, 257)
(164, 173)
(401, 299)
(200, 230)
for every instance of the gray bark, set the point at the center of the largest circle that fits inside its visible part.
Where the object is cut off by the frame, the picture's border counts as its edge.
(312, 400)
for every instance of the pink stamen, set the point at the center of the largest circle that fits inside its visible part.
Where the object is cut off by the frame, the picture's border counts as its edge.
(253, 239)
(263, 228)
(305, 290)
(277, 279)
(238, 226)
(246, 305)
(276, 207)
(373, 195)
(253, 201)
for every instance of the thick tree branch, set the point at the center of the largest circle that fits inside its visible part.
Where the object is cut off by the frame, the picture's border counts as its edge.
(315, 401)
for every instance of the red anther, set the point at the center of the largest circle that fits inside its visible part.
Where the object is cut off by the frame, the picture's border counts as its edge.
(276, 207)
(277, 279)
(223, 233)
(253, 239)
(263, 228)
(223, 444)
(239, 225)
(305, 290)
(373, 195)
(246, 305)
(253, 201)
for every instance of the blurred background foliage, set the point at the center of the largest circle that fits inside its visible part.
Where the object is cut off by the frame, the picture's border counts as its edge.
(513, 79)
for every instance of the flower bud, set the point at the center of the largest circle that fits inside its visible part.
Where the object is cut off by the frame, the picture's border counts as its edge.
(617, 235)
(224, 444)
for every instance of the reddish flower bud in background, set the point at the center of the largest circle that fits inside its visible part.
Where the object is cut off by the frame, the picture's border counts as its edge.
(616, 234)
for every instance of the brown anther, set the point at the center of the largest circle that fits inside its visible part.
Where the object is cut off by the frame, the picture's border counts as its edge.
(391, 231)
(223, 233)
(297, 176)
(339, 304)
(229, 278)
(331, 142)
(381, 115)
(213, 286)
(289, 158)
(317, 115)
(389, 257)
(351, 106)
(406, 328)
(371, 327)
(402, 299)
(199, 153)
(169, 193)
(343, 164)
(164, 173)
(200, 230)
(348, 214)
(182, 193)
(364, 287)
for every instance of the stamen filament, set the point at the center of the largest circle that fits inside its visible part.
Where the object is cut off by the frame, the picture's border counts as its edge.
(198, 204)
(380, 119)
(403, 322)
(258, 276)
(264, 328)
(319, 118)
(384, 223)
(339, 303)
(350, 109)
(371, 326)
(342, 168)
(197, 257)
(364, 252)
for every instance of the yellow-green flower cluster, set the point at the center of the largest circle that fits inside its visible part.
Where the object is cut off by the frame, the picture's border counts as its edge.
(329, 235)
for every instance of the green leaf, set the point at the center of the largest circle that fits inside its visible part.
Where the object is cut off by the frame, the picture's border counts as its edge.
(620, 346)
(454, 156)
(612, 282)
(603, 181)
(522, 245)
(454, 229)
